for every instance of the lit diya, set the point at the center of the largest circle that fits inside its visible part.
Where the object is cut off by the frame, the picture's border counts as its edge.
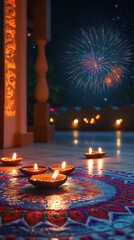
(32, 170)
(63, 168)
(94, 154)
(11, 161)
(48, 180)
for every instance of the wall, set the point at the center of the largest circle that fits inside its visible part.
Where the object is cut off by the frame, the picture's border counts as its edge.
(94, 118)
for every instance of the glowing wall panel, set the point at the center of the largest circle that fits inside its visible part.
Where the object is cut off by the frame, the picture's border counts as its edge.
(10, 49)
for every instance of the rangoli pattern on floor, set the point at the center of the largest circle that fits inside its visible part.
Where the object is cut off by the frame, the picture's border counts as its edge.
(88, 206)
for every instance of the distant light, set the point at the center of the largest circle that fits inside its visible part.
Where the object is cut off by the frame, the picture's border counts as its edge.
(51, 109)
(105, 99)
(29, 34)
(119, 121)
(51, 120)
(85, 120)
(75, 121)
(97, 116)
(92, 121)
(75, 141)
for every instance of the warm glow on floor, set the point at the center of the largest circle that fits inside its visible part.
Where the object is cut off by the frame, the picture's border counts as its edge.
(75, 134)
(90, 166)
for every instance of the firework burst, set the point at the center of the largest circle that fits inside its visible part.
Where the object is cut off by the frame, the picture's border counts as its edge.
(98, 60)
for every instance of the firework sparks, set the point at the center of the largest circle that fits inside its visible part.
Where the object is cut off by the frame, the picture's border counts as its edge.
(98, 60)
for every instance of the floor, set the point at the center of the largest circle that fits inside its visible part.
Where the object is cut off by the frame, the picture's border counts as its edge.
(66, 219)
(70, 147)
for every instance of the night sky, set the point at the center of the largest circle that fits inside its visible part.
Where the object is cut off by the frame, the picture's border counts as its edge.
(68, 17)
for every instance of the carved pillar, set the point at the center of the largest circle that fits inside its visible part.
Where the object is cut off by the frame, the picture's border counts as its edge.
(43, 132)
(41, 93)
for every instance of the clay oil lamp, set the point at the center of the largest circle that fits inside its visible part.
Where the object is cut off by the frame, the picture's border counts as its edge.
(11, 161)
(32, 170)
(48, 180)
(94, 154)
(63, 168)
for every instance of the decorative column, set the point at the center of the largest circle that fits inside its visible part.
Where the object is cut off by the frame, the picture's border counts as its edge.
(43, 131)
(41, 93)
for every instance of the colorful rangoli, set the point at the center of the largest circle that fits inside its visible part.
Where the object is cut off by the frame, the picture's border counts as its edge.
(88, 206)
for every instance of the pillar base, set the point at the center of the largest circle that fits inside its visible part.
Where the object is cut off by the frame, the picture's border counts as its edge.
(24, 139)
(43, 131)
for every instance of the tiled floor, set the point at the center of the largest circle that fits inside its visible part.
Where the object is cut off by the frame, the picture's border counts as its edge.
(70, 146)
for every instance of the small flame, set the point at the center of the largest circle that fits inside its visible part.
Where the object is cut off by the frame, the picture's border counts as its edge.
(100, 150)
(35, 167)
(55, 174)
(90, 150)
(63, 165)
(14, 156)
